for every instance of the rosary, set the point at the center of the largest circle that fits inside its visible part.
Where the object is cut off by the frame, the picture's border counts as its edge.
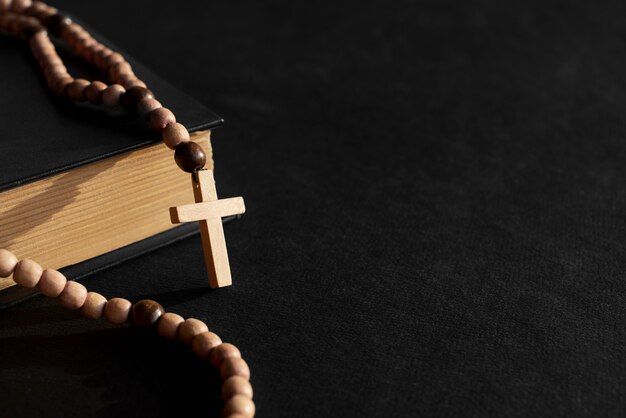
(33, 21)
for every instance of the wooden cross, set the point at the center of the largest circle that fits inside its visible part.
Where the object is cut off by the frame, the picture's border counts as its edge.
(209, 211)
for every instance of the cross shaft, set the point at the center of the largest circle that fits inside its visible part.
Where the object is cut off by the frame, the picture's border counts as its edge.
(209, 211)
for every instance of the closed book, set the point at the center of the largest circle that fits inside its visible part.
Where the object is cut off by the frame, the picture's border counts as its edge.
(81, 186)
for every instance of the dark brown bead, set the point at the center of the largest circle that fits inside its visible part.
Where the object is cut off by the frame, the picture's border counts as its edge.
(189, 156)
(56, 22)
(145, 313)
(134, 95)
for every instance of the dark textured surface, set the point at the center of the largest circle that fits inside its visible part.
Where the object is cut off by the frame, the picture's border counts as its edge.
(435, 221)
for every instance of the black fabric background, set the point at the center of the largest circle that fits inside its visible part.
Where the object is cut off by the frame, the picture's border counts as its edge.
(435, 224)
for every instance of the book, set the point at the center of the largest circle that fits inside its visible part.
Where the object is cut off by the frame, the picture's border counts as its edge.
(78, 181)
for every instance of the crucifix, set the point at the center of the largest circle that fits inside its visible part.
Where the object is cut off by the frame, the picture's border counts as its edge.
(209, 211)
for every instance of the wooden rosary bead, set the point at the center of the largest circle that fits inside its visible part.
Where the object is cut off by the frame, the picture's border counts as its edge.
(27, 273)
(93, 93)
(101, 57)
(8, 261)
(116, 310)
(59, 85)
(146, 106)
(90, 52)
(135, 82)
(168, 325)
(51, 283)
(93, 307)
(236, 385)
(114, 58)
(234, 366)
(55, 71)
(73, 296)
(82, 43)
(174, 134)
(76, 90)
(37, 10)
(202, 344)
(116, 70)
(134, 95)
(190, 328)
(189, 156)
(30, 30)
(223, 352)
(239, 404)
(159, 118)
(145, 313)
(18, 6)
(112, 95)
(49, 58)
(39, 40)
(127, 80)
(56, 22)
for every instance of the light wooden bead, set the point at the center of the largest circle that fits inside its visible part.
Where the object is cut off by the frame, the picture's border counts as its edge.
(239, 404)
(202, 344)
(93, 93)
(55, 70)
(223, 352)
(114, 58)
(14, 27)
(190, 328)
(135, 83)
(234, 366)
(236, 385)
(49, 58)
(27, 273)
(8, 261)
(116, 310)
(101, 56)
(52, 283)
(91, 52)
(159, 118)
(39, 42)
(147, 105)
(55, 75)
(94, 305)
(112, 95)
(73, 295)
(168, 325)
(127, 80)
(174, 134)
(76, 90)
(58, 85)
(18, 6)
(81, 44)
(118, 69)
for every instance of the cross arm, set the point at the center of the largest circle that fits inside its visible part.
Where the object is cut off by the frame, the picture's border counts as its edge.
(207, 210)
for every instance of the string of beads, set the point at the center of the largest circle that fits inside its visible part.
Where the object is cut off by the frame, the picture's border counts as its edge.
(34, 21)
(148, 314)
